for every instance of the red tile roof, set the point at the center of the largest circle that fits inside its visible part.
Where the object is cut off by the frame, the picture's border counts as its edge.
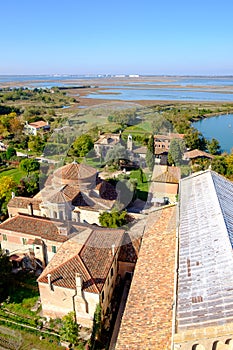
(75, 171)
(166, 174)
(93, 260)
(23, 202)
(39, 124)
(196, 153)
(147, 319)
(35, 226)
(169, 136)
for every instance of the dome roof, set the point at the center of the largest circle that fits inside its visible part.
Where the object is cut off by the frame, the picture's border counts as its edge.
(75, 173)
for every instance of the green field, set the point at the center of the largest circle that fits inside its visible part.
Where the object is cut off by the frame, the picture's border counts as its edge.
(16, 174)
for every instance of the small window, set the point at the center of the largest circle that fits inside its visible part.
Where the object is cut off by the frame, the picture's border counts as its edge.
(4, 237)
(111, 271)
(24, 241)
(54, 249)
(102, 296)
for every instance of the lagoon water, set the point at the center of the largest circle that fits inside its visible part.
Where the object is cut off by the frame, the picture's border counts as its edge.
(183, 88)
(170, 94)
(220, 128)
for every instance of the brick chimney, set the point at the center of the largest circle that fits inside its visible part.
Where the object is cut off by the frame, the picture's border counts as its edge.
(30, 209)
(79, 283)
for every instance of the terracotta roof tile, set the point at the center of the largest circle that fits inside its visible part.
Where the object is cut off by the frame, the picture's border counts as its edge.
(23, 202)
(93, 260)
(130, 249)
(74, 171)
(196, 153)
(97, 253)
(166, 174)
(35, 226)
(39, 124)
(147, 319)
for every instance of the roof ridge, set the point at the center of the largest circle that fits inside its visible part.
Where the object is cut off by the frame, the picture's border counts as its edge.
(59, 266)
(88, 272)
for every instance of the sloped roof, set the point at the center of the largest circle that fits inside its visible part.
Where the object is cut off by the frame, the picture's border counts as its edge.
(205, 281)
(196, 153)
(39, 124)
(36, 226)
(74, 171)
(23, 202)
(166, 174)
(92, 260)
(130, 248)
(169, 136)
(147, 319)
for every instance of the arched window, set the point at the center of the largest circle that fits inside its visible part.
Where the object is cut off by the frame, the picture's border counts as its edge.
(215, 344)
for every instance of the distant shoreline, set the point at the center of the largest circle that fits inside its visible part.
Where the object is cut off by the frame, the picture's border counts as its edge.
(95, 84)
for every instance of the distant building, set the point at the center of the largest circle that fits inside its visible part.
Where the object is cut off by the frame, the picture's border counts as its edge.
(162, 145)
(35, 127)
(164, 184)
(195, 154)
(106, 142)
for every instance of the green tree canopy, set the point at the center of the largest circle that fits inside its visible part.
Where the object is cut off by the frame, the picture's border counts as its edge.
(161, 125)
(219, 165)
(194, 139)
(113, 219)
(10, 152)
(176, 151)
(29, 165)
(213, 147)
(82, 145)
(5, 274)
(36, 144)
(69, 330)
(7, 186)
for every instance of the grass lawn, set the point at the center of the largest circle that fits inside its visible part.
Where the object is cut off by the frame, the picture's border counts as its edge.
(16, 174)
(142, 184)
(142, 128)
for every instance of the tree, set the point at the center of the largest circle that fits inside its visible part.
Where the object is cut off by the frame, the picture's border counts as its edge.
(96, 329)
(29, 185)
(219, 165)
(124, 118)
(7, 186)
(161, 125)
(194, 139)
(36, 144)
(69, 330)
(83, 145)
(115, 154)
(176, 151)
(213, 147)
(5, 275)
(113, 219)
(10, 152)
(29, 165)
(150, 159)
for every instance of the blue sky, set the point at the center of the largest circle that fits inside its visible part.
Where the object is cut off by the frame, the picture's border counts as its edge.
(91, 36)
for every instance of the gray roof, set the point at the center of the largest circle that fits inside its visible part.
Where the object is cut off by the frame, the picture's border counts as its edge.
(205, 278)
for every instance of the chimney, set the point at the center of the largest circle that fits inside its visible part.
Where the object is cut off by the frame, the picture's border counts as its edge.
(30, 209)
(49, 281)
(79, 283)
(113, 249)
(63, 231)
(12, 194)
